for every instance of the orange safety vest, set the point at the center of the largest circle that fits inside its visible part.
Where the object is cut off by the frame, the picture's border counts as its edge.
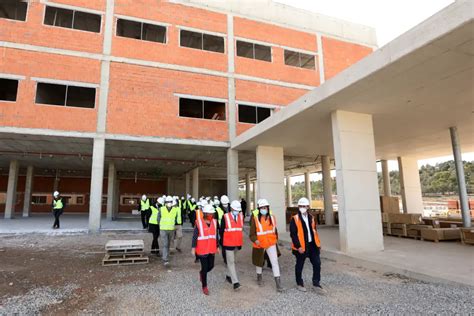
(266, 232)
(207, 237)
(233, 235)
(299, 225)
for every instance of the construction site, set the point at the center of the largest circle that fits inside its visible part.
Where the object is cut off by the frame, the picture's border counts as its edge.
(111, 105)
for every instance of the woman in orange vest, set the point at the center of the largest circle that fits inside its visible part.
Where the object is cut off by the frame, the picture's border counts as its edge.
(205, 243)
(231, 239)
(305, 244)
(264, 236)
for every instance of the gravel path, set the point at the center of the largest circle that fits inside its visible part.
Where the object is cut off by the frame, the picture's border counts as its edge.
(82, 286)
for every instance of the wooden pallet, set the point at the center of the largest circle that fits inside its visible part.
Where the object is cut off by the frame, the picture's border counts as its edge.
(125, 251)
(467, 236)
(124, 256)
(124, 261)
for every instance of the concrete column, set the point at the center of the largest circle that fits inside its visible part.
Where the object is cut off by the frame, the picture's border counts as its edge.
(386, 178)
(465, 212)
(254, 188)
(289, 196)
(307, 183)
(327, 190)
(187, 180)
(97, 177)
(111, 191)
(247, 190)
(116, 201)
(232, 174)
(270, 175)
(11, 189)
(195, 183)
(410, 186)
(357, 185)
(28, 191)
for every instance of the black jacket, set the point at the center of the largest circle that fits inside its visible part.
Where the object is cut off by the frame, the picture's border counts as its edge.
(294, 230)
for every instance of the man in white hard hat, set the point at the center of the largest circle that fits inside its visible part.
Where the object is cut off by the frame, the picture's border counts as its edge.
(231, 240)
(167, 217)
(205, 243)
(145, 210)
(225, 203)
(305, 244)
(58, 208)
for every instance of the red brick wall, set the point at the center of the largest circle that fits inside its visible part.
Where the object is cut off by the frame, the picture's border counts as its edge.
(339, 55)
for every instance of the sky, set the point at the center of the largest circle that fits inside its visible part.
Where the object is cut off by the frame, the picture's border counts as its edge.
(390, 18)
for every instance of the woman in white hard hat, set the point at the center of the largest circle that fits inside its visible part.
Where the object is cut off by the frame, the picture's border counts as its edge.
(205, 243)
(305, 244)
(58, 208)
(264, 235)
(231, 240)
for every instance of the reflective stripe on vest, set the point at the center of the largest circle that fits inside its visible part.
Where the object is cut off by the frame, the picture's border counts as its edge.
(168, 218)
(144, 205)
(154, 216)
(207, 237)
(265, 235)
(233, 236)
(58, 204)
(299, 226)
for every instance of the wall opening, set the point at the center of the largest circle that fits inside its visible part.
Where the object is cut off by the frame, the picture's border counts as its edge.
(8, 90)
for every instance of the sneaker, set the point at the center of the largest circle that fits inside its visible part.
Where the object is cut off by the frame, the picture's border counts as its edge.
(228, 279)
(319, 289)
(205, 290)
(237, 286)
(301, 288)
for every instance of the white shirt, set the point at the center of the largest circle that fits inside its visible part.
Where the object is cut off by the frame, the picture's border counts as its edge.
(306, 221)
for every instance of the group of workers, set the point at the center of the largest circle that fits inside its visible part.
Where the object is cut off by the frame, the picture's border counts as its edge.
(219, 227)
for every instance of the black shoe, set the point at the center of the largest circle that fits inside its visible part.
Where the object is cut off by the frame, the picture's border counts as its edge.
(237, 286)
(228, 279)
(196, 260)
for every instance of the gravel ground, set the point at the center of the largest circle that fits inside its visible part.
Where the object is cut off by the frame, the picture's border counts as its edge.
(62, 275)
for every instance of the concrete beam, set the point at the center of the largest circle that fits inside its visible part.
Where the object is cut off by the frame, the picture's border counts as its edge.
(111, 191)
(270, 181)
(97, 177)
(360, 228)
(386, 178)
(10, 202)
(327, 190)
(410, 185)
(28, 191)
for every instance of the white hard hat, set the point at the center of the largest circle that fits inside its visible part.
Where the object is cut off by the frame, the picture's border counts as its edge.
(216, 202)
(199, 204)
(303, 202)
(143, 197)
(193, 200)
(188, 196)
(208, 209)
(262, 203)
(161, 200)
(216, 197)
(235, 205)
(224, 199)
(56, 193)
(169, 199)
(182, 197)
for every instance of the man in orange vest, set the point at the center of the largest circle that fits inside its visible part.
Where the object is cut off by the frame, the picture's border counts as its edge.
(264, 236)
(305, 244)
(205, 243)
(231, 239)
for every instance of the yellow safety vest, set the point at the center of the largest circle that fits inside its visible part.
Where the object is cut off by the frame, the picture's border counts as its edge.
(220, 213)
(168, 218)
(57, 204)
(144, 205)
(191, 206)
(154, 216)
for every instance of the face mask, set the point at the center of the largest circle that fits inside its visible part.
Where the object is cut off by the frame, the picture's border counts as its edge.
(209, 217)
(264, 211)
(303, 210)
(235, 213)
(168, 205)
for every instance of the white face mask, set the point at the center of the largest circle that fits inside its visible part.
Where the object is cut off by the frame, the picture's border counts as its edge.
(264, 211)
(303, 210)
(169, 205)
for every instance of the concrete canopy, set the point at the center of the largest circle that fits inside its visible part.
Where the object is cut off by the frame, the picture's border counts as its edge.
(416, 87)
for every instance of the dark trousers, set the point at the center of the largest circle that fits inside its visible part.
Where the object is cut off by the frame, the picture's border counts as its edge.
(155, 230)
(57, 213)
(312, 252)
(145, 215)
(207, 264)
(192, 218)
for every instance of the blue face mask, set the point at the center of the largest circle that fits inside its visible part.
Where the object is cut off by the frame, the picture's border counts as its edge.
(235, 213)
(264, 211)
